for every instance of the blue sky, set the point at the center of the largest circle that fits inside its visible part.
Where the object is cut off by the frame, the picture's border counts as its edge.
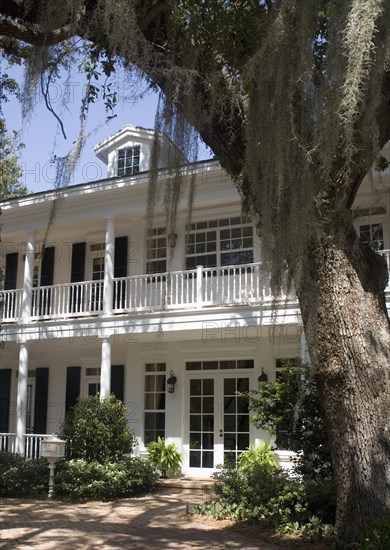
(42, 136)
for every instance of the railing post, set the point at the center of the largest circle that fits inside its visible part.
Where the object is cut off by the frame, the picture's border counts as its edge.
(199, 286)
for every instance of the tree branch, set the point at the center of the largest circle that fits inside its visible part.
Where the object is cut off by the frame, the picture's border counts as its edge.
(383, 118)
(31, 35)
(153, 10)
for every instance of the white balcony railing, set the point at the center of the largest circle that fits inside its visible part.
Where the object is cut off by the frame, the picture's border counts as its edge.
(192, 289)
(67, 300)
(10, 304)
(7, 442)
(32, 444)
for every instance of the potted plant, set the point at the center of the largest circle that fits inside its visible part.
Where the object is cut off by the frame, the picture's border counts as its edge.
(164, 456)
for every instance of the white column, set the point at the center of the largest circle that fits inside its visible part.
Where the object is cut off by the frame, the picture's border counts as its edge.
(28, 278)
(108, 289)
(21, 403)
(105, 372)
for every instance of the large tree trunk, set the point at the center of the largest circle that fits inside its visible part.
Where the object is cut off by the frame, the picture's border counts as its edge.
(347, 329)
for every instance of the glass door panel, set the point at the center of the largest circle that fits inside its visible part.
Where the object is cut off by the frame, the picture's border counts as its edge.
(235, 418)
(201, 439)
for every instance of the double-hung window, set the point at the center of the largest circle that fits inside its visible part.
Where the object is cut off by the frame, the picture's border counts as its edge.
(128, 161)
(154, 402)
(216, 243)
(156, 251)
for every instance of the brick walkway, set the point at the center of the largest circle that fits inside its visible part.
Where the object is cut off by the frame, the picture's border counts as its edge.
(155, 521)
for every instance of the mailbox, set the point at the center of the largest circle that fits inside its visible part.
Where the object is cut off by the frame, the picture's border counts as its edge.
(53, 447)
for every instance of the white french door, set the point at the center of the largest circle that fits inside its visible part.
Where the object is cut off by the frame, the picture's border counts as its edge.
(218, 420)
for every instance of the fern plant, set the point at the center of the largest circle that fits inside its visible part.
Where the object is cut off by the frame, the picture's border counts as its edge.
(257, 455)
(164, 456)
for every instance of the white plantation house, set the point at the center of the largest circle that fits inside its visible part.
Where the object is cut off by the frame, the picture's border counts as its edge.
(171, 323)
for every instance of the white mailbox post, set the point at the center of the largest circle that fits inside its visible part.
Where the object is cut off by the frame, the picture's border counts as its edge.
(52, 448)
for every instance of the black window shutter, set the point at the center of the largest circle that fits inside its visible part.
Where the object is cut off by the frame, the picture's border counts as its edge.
(5, 394)
(120, 257)
(41, 391)
(73, 375)
(117, 381)
(120, 270)
(47, 269)
(47, 279)
(78, 263)
(11, 271)
(77, 275)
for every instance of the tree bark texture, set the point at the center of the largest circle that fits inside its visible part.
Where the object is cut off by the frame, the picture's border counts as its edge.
(349, 331)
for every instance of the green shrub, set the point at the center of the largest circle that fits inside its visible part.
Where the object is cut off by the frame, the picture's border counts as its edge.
(80, 479)
(20, 477)
(97, 429)
(164, 456)
(259, 491)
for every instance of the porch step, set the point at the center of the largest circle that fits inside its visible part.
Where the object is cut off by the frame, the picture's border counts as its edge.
(193, 483)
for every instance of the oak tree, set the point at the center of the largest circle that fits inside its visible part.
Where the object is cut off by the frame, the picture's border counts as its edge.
(293, 97)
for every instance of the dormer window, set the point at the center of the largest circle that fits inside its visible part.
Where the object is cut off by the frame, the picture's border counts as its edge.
(128, 161)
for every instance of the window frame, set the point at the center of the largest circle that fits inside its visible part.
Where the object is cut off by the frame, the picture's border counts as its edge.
(151, 252)
(154, 370)
(220, 246)
(133, 153)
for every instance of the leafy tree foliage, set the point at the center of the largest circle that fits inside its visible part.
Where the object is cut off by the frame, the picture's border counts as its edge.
(290, 410)
(10, 171)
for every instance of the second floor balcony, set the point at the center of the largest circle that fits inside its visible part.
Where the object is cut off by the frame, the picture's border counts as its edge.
(245, 285)
(190, 289)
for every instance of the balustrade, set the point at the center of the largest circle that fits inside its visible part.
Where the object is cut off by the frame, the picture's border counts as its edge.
(196, 288)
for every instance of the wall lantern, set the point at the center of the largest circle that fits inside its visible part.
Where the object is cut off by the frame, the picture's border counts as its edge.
(172, 238)
(263, 377)
(52, 448)
(171, 382)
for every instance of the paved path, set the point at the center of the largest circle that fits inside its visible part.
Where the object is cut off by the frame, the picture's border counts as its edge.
(155, 521)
